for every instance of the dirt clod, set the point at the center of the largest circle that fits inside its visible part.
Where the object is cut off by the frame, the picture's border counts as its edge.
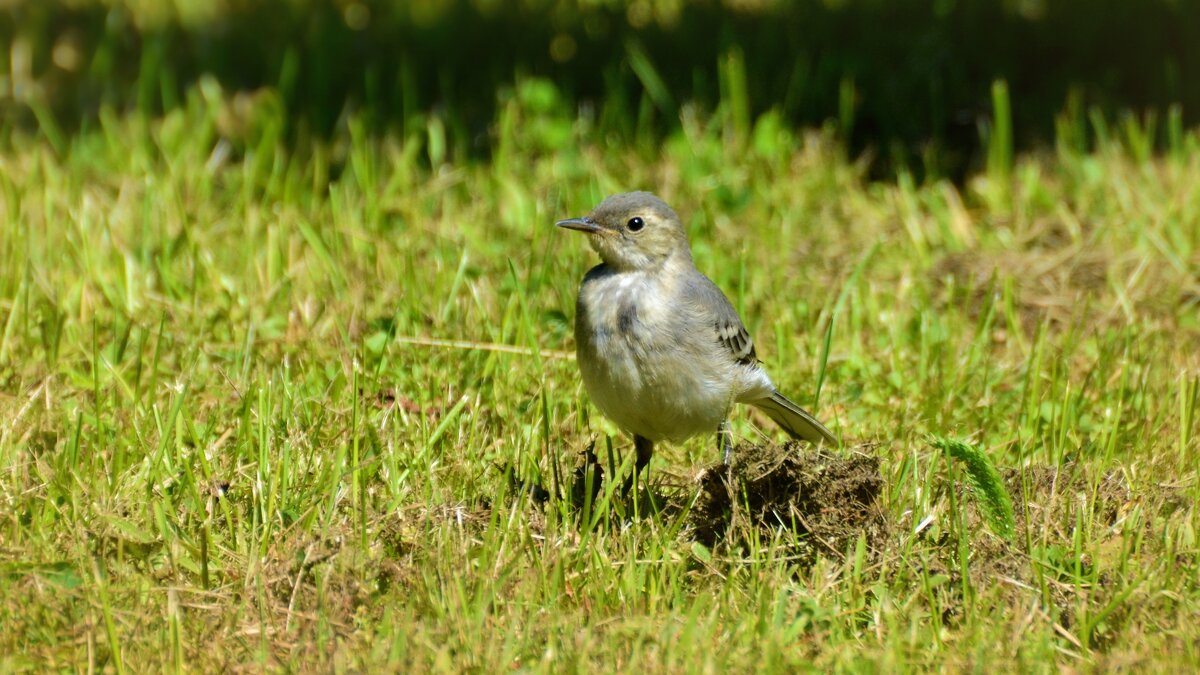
(827, 499)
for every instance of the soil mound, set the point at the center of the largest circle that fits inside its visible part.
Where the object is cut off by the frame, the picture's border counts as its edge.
(767, 490)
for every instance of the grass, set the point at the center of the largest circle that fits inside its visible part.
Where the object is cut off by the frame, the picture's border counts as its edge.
(299, 408)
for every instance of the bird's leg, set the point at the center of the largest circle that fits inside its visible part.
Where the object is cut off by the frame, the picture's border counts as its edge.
(645, 449)
(725, 442)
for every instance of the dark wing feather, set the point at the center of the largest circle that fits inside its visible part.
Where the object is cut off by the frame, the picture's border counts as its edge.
(710, 307)
(733, 335)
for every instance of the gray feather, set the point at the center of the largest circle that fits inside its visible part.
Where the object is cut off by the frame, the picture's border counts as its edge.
(797, 421)
(725, 323)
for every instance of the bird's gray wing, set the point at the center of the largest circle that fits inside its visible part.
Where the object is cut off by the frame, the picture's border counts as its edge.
(714, 309)
(733, 335)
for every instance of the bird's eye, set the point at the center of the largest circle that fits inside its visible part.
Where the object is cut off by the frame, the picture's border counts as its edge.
(635, 224)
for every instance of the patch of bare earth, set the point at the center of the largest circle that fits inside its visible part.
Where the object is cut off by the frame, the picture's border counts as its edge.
(829, 500)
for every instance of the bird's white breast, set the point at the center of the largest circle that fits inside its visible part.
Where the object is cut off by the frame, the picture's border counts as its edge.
(642, 361)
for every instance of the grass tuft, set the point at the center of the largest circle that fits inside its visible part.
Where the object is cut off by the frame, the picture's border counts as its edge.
(985, 482)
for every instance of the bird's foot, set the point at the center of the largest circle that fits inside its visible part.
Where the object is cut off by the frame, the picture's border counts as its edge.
(725, 443)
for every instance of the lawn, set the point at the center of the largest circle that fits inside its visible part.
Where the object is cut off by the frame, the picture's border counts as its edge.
(313, 405)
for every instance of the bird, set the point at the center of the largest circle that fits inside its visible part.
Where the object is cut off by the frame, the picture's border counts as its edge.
(662, 352)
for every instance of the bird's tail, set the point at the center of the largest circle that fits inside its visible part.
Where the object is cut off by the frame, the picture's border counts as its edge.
(797, 421)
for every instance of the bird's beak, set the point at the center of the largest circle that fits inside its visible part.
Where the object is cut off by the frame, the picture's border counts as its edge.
(584, 224)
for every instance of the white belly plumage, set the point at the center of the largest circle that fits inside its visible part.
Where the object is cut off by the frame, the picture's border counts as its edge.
(636, 370)
(658, 398)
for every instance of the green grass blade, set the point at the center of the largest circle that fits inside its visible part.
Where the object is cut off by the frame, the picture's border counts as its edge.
(985, 482)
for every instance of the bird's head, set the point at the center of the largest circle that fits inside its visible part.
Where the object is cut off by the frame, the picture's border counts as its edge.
(633, 231)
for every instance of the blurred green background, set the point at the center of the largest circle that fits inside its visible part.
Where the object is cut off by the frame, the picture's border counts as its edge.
(907, 83)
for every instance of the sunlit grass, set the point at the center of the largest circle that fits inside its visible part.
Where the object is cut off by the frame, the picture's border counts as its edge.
(231, 432)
